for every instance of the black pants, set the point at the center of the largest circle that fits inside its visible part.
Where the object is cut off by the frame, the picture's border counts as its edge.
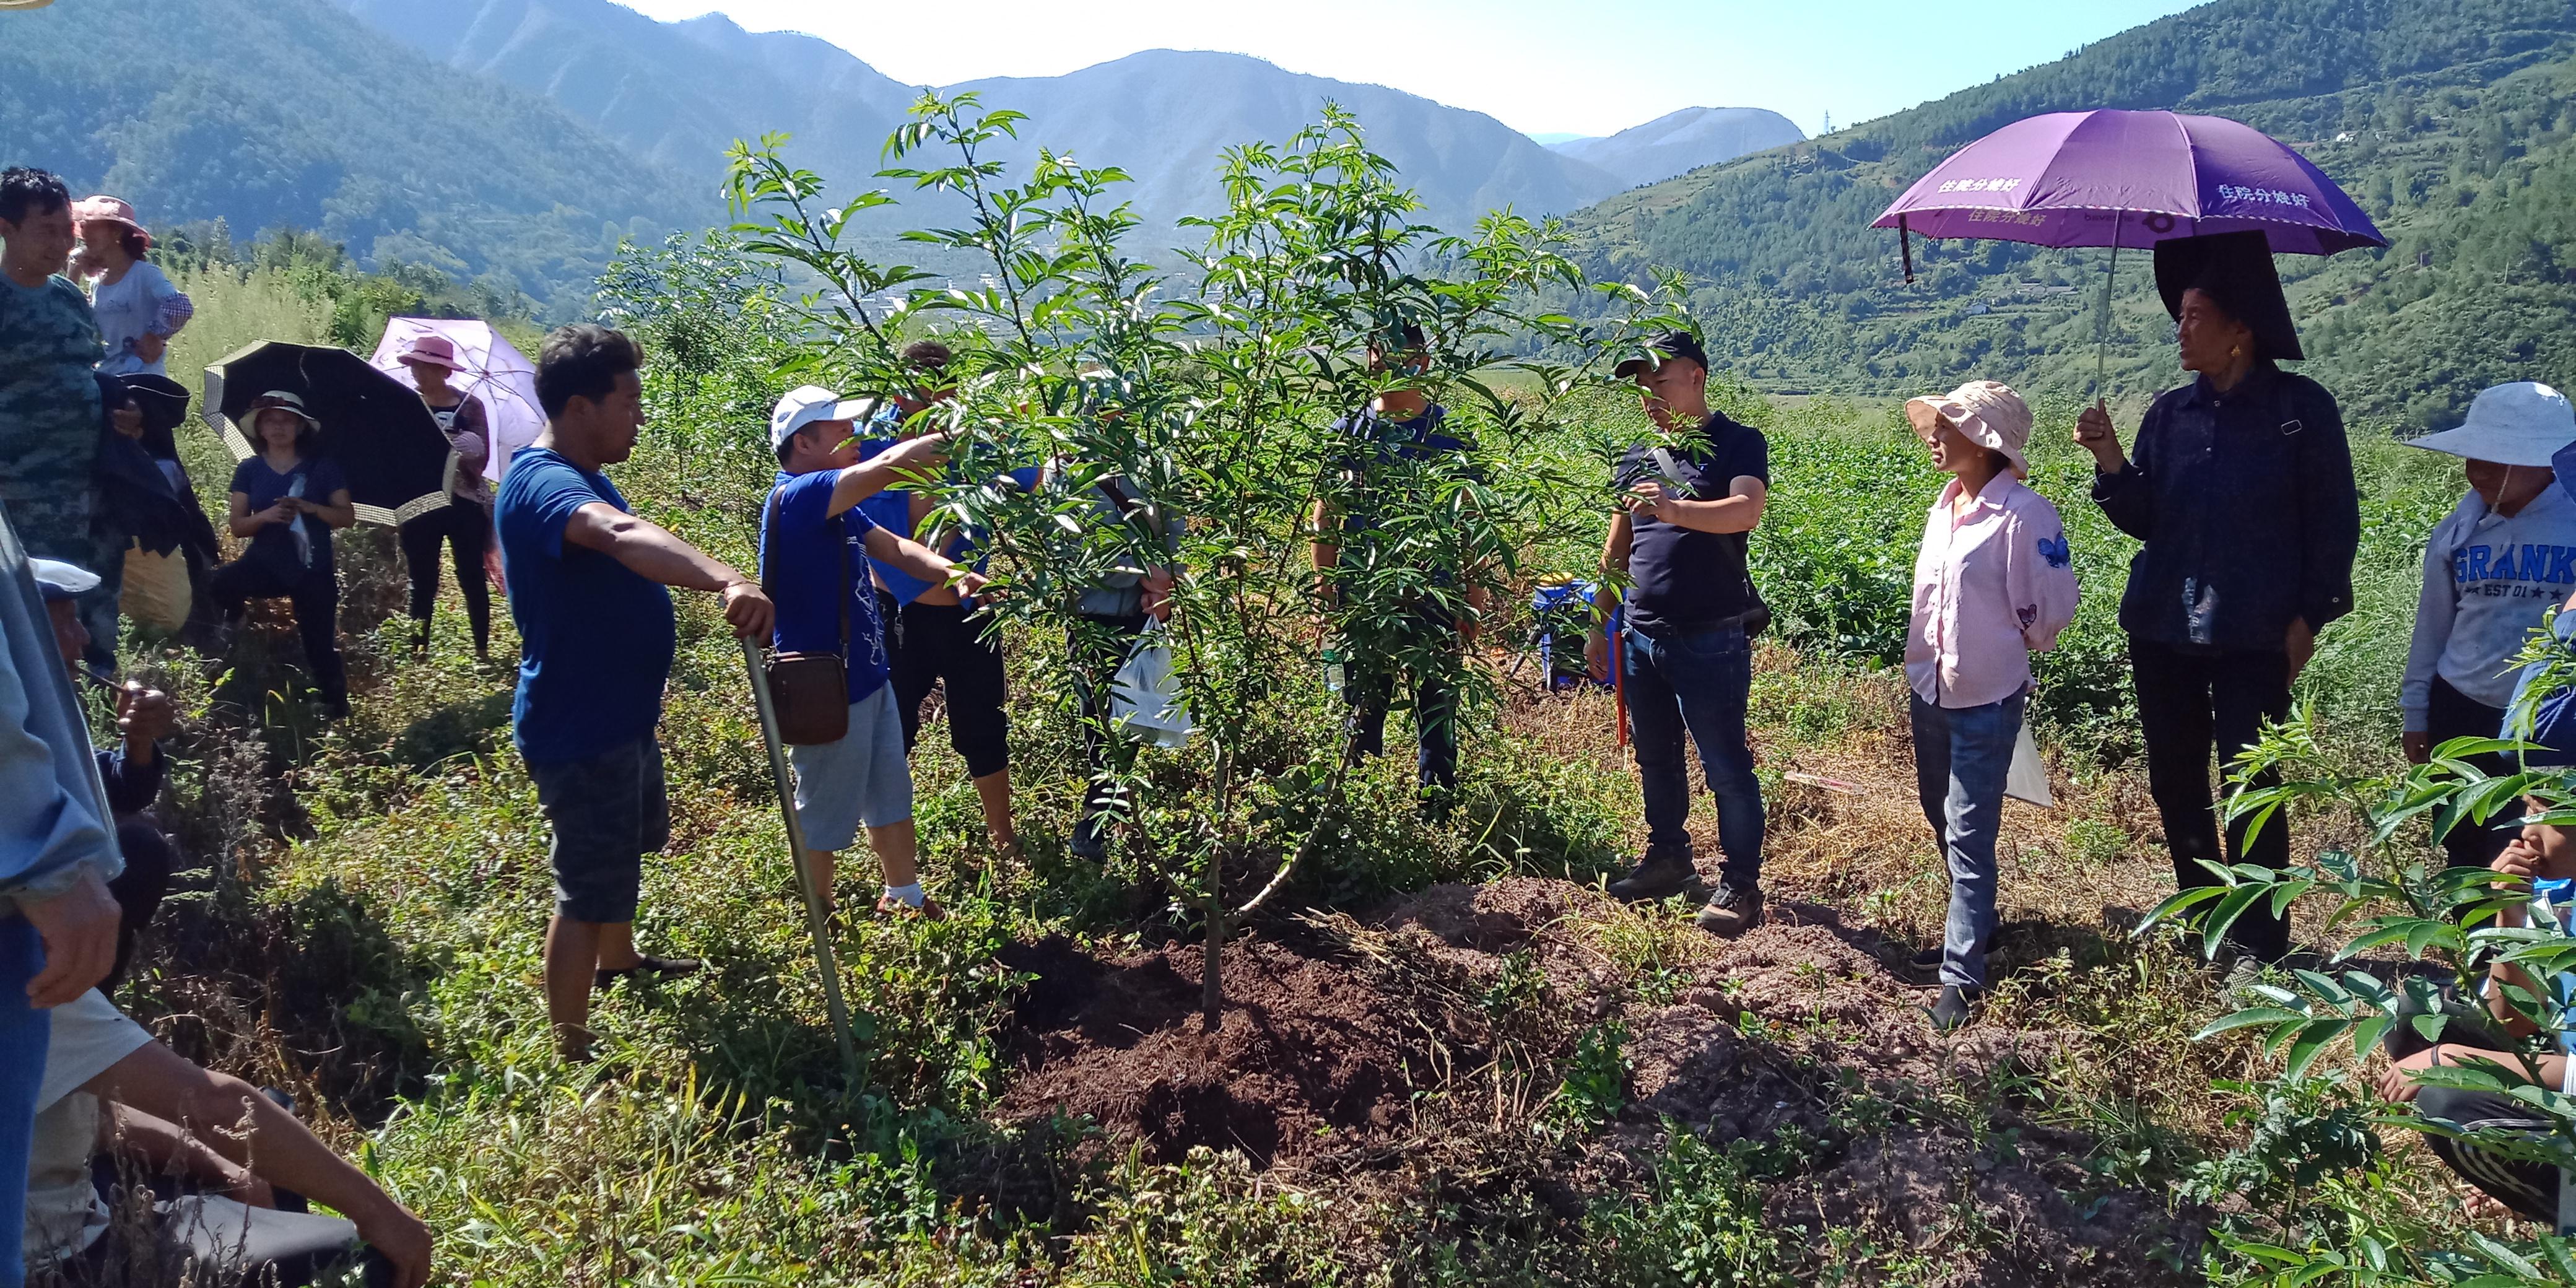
(1100, 646)
(930, 643)
(315, 594)
(2453, 714)
(138, 889)
(1371, 693)
(2528, 1188)
(2188, 704)
(466, 530)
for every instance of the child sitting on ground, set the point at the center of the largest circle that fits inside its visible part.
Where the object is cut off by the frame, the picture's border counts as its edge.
(2541, 859)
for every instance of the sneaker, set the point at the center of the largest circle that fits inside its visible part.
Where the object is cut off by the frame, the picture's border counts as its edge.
(1664, 871)
(1731, 912)
(889, 906)
(1951, 1012)
(650, 968)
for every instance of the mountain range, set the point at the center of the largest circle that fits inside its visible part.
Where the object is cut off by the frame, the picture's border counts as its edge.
(678, 93)
(1679, 142)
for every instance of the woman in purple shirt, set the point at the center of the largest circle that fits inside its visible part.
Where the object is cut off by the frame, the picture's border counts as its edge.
(1993, 584)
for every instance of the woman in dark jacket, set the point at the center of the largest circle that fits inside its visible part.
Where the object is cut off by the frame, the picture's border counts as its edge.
(2242, 489)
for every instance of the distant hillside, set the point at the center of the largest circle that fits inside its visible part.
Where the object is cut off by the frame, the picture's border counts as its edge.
(1683, 141)
(2453, 121)
(291, 112)
(679, 92)
(1164, 115)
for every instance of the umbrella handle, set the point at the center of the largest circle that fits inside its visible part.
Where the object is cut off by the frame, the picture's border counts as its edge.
(816, 924)
(2102, 327)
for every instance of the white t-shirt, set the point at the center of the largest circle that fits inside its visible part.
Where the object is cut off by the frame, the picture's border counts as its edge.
(64, 1214)
(127, 310)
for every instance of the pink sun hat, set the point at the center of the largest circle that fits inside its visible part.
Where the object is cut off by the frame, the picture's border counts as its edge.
(112, 209)
(431, 351)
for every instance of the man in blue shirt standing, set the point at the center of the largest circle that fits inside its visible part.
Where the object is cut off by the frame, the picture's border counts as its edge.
(1399, 425)
(587, 582)
(816, 545)
(932, 637)
(1687, 503)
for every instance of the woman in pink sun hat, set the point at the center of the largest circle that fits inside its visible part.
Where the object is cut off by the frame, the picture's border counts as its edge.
(1994, 583)
(465, 524)
(138, 309)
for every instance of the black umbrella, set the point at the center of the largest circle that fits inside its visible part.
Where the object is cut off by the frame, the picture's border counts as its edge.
(380, 432)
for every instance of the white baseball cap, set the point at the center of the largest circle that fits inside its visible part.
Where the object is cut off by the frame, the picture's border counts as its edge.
(58, 580)
(2522, 423)
(806, 404)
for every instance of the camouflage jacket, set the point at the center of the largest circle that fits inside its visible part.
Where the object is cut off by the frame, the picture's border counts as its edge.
(50, 417)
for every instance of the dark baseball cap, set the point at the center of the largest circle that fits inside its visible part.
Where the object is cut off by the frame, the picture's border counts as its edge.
(1669, 345)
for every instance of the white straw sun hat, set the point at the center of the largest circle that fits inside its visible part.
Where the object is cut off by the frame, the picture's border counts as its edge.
(2522, 423)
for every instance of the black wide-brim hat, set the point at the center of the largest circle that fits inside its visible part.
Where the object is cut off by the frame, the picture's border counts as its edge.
(2234, 269)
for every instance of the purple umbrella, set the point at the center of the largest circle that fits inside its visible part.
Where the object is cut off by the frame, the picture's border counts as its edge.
(2131, 179)
(2111, 178)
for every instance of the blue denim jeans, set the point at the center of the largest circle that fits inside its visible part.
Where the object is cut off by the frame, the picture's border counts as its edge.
(24, 1031)
(1961, 755)
(1696, 684)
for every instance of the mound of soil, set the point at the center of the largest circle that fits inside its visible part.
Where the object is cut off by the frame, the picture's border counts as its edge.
(1308, 1058)
(1343, 1048)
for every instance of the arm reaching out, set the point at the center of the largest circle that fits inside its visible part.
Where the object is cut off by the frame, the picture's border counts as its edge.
(652, 552)
(921, 561)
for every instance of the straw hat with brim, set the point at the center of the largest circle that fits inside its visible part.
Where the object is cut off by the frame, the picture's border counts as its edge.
(2522, 423)
(1988, 412)
(2235, 270)
(432, 351)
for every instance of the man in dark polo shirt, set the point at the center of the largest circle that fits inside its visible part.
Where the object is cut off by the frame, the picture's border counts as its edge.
(1687, 502)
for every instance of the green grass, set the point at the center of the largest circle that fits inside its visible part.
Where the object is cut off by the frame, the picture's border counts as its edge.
(381, 952)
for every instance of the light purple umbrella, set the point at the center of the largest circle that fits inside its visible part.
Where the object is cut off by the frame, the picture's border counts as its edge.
(495, 373)
(2132, 179)
(2114, 178)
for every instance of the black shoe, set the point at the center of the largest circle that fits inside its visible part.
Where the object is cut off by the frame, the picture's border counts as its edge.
(1731, 912)
(651, 968)
(1925, 966)
(1664, 871)
(1952, 1010)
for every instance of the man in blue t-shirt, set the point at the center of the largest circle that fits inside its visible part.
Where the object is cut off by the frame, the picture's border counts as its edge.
(596, 635)
(1687, 501)
(932, 638)
(1399, 425)
(816, 546)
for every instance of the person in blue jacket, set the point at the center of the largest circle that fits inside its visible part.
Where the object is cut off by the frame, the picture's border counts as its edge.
(2240, 488)
(57, 854)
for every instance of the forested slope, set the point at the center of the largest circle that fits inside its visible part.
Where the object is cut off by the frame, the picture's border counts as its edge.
(292, 113)
(2451, 121)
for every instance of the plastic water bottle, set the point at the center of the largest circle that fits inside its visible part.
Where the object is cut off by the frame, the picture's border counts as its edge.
(1333, 673)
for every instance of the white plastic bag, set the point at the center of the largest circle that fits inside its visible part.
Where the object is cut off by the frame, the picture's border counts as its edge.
(2027, 780)
(1145, 699)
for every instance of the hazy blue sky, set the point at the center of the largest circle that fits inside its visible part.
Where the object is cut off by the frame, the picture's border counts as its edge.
(1537, 65)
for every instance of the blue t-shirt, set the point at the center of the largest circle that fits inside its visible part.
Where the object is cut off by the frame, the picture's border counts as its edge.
(817, 561)
(1368, 437)
(595, 637)
(891, 509)
(315, 479)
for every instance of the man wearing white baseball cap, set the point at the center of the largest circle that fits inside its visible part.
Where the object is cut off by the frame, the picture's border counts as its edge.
(815, 544)
(2492, 569)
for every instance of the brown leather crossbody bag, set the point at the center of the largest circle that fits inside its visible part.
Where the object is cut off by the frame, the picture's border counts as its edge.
(809, 691)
